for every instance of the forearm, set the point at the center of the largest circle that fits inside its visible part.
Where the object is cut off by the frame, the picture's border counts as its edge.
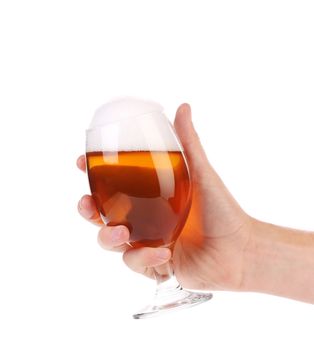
(280, 261)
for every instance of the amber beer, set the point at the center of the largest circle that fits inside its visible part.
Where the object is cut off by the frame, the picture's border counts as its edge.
(147, 191)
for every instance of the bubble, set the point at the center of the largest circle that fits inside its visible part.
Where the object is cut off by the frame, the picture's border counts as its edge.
(131, 124)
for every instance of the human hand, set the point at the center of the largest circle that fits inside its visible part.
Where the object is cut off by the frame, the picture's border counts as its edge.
(210, 251)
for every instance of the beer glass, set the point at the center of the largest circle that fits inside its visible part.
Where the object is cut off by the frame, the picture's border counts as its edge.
(139, 177)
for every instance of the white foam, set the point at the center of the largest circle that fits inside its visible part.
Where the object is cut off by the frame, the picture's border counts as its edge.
(131, 124)
(123, 108)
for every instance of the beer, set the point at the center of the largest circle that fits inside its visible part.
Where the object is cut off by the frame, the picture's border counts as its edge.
(147, 191)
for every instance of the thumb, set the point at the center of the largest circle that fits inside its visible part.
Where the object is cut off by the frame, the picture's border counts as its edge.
(207, 182)
(190, 141)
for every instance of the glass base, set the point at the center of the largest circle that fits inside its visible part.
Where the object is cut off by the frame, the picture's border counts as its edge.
(176, 299)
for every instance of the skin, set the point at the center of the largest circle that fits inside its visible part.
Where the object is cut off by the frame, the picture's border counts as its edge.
(220, 247)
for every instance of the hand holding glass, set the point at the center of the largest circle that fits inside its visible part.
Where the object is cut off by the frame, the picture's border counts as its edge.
(139, 178)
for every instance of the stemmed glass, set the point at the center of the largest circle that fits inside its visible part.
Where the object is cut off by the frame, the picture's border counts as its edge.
(139, 178)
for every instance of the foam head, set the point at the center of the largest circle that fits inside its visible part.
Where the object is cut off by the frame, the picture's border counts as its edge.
(130, 124)
(123, 108)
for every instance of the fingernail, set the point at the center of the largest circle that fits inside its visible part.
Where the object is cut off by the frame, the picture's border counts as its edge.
(87, 213)
(117, 234)
(163, 254)
(80, 204)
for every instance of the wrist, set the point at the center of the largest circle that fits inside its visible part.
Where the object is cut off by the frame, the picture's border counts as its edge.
(259, 259)
(279, 261)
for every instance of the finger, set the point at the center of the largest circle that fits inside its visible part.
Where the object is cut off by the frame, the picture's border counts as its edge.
(192, 145)
(189, 138)
(114, 238)
(142, 260)
(87, 208)
(81, 163)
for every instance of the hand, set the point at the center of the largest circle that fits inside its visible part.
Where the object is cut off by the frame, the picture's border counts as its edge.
(210, 252)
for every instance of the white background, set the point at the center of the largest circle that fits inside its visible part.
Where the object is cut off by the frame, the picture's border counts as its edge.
(246, 67)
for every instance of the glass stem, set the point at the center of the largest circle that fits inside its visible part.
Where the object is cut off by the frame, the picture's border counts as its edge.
(170, 295)
(168, 288)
